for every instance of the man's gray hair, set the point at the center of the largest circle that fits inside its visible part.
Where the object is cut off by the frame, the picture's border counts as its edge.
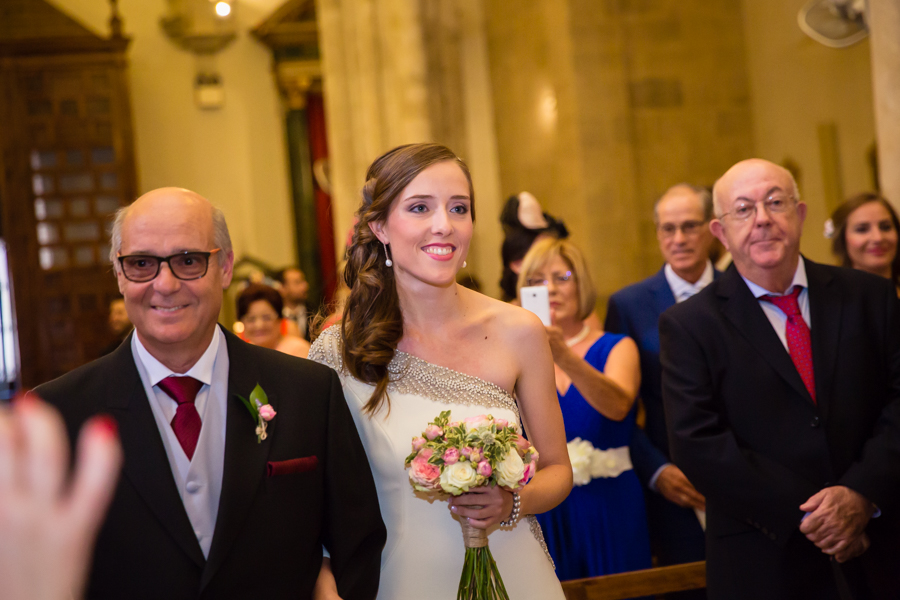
(221, 237)
(702, 192)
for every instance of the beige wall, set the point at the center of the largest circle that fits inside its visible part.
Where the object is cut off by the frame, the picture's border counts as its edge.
(236, 155)
(601, 106)
(797, 85)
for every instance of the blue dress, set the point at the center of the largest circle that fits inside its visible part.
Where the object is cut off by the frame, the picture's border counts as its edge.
(601, 528)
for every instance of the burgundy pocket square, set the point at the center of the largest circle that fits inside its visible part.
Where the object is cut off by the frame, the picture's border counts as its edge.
(295, 465)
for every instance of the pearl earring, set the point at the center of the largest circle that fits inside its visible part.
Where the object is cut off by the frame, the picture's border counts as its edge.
(388, 262)
(465, 264)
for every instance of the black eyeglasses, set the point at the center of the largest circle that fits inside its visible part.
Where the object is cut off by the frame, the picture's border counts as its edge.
(688, 228)
(141, 268)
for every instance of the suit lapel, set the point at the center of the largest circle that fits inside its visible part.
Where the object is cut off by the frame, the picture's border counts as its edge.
(245, 459)
(662, 293)
(146, 465)
(744, 312)
(825, 307)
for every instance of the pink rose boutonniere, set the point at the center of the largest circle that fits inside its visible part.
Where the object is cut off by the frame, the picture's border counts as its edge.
(261, 411)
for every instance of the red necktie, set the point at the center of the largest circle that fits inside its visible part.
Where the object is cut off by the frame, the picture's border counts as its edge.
(186, 423)
(798, 340)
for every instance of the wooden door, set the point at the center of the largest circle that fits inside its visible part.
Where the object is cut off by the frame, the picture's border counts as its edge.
(67, 152)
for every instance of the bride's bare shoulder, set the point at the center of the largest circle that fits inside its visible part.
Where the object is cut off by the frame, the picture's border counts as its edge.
(512, 324)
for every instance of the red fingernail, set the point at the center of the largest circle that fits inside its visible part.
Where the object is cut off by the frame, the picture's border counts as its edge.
(24, 398)
(107, 424)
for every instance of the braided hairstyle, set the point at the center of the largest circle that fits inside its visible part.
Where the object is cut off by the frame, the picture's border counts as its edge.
(372, 324)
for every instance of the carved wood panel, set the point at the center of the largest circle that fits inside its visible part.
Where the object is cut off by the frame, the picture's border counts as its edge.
(69, 166)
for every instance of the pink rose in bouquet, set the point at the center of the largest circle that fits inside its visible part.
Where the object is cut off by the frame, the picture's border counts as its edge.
(522, 445)
(484, 469)
(433, 431)
(451, 455)
(477, 421)
(530, 469)
(501, 424)
(424, 475)
(417, 443)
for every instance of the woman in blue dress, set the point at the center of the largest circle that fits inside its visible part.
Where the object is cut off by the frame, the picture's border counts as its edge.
(601, 528)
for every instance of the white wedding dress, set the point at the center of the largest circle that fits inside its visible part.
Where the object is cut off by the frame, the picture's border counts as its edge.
(423, 557)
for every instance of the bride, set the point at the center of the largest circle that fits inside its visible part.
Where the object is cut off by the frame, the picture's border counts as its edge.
(414, 343)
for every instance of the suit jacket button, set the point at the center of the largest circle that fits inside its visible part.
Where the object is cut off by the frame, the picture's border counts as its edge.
(814, 423)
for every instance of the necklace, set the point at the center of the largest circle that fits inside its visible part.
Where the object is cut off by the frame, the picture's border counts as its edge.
(581, 335)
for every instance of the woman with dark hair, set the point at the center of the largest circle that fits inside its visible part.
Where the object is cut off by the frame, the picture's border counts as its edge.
(864, 235)
(523, 224)
(414, 343)
(259, 310)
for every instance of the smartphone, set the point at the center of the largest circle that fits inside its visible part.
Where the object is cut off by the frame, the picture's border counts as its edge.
(536, 299)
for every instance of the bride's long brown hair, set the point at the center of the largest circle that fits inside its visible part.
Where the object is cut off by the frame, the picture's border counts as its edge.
(373, 324)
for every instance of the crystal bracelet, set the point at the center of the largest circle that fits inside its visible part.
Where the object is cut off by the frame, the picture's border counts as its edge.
(514, 515)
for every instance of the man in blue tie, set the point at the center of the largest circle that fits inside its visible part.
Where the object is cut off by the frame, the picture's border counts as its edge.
(682, 216)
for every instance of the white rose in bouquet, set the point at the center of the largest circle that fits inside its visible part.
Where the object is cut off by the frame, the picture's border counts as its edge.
(458, 478)
(510, 470)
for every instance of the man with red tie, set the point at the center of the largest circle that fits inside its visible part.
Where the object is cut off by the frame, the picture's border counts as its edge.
(781, 382)
(211, 504)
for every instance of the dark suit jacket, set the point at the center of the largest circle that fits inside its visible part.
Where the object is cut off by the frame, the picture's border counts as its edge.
(746, 432)
(270, 529)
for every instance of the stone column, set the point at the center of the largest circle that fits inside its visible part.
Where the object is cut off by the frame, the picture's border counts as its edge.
(884, 23)
(373, 72)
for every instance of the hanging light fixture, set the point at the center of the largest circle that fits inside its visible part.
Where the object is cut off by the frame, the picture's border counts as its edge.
(204, 28)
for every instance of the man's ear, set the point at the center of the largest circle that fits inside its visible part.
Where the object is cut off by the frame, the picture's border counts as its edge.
(377, 227)
(227, 269)
(718, 230)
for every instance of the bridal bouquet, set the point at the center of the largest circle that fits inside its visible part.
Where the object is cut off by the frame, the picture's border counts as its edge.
(453, 457)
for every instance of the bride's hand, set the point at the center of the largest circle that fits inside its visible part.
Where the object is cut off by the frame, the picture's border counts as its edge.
(483, 506)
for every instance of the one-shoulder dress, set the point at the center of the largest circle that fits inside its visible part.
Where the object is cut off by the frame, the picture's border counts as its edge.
(601, 528)
(423, 557)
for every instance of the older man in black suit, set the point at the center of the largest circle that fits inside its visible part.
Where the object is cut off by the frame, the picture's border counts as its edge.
(210, 506)
(781, 382)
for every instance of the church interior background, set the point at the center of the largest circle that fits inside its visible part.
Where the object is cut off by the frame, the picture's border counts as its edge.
(275, 110)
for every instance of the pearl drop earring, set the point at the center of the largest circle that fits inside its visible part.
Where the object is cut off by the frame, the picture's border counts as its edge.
(465, 264)
(388, 262)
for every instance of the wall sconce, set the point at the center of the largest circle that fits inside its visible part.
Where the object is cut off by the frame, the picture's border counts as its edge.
(204, 28)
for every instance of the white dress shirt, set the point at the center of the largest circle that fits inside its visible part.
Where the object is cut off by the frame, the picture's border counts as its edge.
(199, 480)
(775, 315)
(682, 289)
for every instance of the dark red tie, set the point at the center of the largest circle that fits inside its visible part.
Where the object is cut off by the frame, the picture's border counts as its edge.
(186, 423)
(798, 340)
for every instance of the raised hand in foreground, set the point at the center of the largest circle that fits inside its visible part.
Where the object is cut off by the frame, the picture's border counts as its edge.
(48, 520)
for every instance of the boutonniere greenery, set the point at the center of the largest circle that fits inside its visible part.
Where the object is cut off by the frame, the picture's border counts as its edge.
(260, 409)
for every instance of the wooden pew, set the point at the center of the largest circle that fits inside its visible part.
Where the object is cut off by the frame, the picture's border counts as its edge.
(650, 582)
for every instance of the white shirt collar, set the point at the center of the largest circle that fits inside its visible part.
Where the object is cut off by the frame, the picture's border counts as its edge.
(681, 289)
(799, 279)
(201, 371)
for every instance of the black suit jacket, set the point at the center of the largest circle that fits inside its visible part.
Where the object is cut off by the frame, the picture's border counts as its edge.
(746, 432)
(269, 529)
